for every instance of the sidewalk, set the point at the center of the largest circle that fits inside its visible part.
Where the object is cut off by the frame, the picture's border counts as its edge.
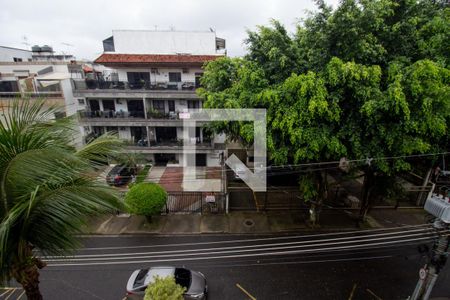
(249, 223)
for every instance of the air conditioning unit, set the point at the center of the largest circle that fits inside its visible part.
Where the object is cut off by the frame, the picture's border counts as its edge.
(185, 70)
(438, 206)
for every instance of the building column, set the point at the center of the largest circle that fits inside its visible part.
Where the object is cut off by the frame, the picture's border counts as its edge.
(145, 108)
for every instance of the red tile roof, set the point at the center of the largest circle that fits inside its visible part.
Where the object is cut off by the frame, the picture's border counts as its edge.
(107, 58)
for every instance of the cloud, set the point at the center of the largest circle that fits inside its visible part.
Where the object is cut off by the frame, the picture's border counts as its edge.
(84, 24)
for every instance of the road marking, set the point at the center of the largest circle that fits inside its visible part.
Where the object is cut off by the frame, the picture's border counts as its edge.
(246, 240)
(208, 258)
(319, 242)
(12, 292)
(20, 296)
(7, 291)
(260, 247)
(245, 292)
(373, 294)
(353, 292)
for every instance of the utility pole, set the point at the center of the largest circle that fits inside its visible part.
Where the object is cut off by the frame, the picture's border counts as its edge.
(439, 206)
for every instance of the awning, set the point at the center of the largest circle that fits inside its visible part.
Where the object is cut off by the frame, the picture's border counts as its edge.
(87, 69)
(46, 83)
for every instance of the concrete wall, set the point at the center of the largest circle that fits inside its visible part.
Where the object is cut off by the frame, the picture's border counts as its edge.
(7, 54)
(125, 134)
(164, 42)
(32, 68)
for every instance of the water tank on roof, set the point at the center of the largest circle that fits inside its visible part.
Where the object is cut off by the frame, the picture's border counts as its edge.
(46, 48)
(36, 48)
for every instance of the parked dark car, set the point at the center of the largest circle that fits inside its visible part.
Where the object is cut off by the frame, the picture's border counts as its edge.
(120, 175)
(194, 282)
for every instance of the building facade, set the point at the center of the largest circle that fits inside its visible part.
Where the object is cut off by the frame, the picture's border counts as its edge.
(146, 87)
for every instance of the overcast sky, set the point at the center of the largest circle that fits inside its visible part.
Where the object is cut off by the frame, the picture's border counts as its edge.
(83, 24)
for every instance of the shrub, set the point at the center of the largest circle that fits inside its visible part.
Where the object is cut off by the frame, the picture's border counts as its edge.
(164, 289)
(145, 199)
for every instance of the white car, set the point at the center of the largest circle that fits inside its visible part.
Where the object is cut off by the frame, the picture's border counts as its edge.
(193, 281)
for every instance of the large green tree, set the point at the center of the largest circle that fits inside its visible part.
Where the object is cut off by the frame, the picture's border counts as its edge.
(367, 80)
(47, 190)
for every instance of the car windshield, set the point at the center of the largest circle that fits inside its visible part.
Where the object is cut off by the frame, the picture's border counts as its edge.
(183, 277)
(140, 278)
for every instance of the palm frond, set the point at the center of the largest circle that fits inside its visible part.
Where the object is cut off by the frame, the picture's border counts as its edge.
(100, 149)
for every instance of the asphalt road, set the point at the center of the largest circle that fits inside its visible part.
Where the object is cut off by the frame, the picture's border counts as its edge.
(383, 263)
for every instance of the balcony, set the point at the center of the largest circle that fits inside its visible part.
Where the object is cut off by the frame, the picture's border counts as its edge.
(110, 114)
(10, 89)
(169, 145)
(131, 118)
(92, 85)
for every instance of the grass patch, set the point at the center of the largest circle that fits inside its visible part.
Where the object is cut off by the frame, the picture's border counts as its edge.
(142, 174)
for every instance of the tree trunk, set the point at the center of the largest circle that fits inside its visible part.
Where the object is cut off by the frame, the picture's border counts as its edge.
(27, 274)
(365, 197)
(320, 178)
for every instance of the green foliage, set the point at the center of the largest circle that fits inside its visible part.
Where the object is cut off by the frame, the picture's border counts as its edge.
(142, 174)
(308, 188)
(369, 79)
(145, 199)
(47, 188)
(274, 50)
(164, 289)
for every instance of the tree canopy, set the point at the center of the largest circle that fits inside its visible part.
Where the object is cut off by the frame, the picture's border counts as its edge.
(369, 79)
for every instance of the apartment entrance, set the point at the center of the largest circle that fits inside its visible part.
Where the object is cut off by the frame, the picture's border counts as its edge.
(200, 159)
(162, 159)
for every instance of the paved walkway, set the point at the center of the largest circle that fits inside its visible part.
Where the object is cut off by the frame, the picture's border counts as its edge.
(155, 174)
(250, 222)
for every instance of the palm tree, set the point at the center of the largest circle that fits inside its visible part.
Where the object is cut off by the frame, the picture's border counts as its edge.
(48, 189)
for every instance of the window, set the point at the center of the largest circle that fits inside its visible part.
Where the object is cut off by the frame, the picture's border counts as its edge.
(174, 77)
(198, 76)
(193, 104)
(17, 59)
(137, 77)
(171, 105)
(158, 105)
(108, 44)
(81, 101)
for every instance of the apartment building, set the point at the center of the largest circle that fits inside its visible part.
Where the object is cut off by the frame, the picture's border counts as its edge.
(38, 73)
(147, 85)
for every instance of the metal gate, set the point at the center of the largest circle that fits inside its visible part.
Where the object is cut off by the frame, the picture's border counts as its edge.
(194, 202)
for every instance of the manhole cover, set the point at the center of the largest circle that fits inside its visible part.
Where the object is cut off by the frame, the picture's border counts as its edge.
(249, 222)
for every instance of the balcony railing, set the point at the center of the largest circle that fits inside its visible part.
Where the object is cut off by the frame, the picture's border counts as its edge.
(88, 84)
(31, 94)
(110, 114)
(151, 115)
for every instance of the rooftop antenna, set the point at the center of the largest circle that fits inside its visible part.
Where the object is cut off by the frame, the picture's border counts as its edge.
(25, 41)
(156, 27)
(211, 29)
(172, 28)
